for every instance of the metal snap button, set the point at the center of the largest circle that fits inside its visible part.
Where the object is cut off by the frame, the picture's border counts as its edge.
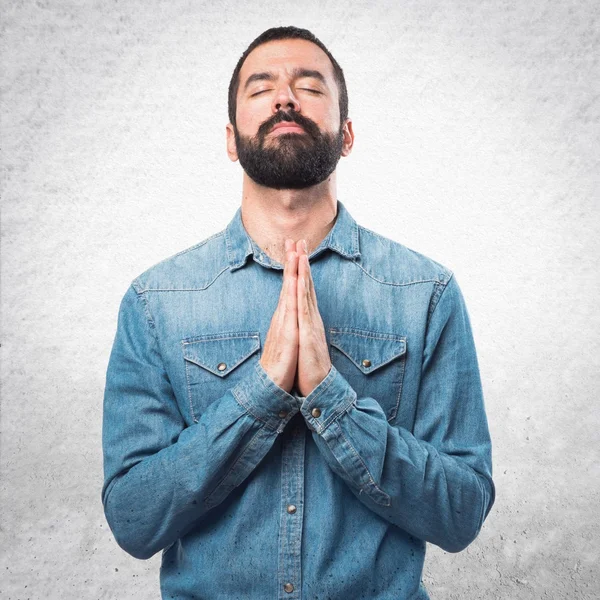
(291, 508)
(221, 366)
(283, 414)
(288, 587)
(366, 362)
(315, 412)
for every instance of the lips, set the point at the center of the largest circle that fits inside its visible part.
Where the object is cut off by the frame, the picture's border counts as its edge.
(286, 126)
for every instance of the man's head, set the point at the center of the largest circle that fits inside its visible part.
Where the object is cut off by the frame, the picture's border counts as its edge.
(287, 75)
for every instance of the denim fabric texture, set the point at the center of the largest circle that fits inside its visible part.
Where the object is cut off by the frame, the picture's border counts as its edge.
(251, 492)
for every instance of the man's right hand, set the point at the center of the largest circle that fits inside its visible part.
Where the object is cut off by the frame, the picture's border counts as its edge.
(280, 355)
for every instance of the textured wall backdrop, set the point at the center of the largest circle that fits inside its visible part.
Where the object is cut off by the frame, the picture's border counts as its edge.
(477, 141)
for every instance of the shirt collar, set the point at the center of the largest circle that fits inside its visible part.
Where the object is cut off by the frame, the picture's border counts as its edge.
(342, 238)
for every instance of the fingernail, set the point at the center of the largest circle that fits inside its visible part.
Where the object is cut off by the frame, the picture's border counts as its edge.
(304, 245)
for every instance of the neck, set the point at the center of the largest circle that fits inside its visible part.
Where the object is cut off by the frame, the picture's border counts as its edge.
(271, 216)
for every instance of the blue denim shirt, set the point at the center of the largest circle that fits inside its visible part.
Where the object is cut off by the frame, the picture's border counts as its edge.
(253, 492)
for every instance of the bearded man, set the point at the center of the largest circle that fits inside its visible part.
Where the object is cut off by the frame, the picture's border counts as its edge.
(293, 406)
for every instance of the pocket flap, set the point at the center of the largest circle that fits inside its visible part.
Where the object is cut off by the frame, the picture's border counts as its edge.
(221, 353)
(368, 350)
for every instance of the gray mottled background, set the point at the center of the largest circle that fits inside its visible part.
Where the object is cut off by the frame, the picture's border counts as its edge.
(477, 142)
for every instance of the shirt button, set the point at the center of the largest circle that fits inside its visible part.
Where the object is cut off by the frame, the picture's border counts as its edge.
(288, 587)
(291, 508)
(221, 366)
(315, 412)
(283, 414)
(366, 362)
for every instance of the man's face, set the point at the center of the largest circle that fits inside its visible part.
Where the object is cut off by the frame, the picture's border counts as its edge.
(288, 84)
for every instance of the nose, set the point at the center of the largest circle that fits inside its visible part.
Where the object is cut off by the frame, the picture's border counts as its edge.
(285, 99)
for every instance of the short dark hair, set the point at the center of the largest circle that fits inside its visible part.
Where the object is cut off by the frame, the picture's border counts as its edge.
(286, 33)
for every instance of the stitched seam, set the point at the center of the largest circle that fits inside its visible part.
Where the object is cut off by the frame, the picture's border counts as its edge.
(233, 466)
(321, 391)
(142, 297)
(336, 414)
(392, 282)
(152, 326)
(197, 289)
(361, 460)
(194, 247)
(235, 363)
(199, 244)
(437, 297)
(389, 240)
(238, 397)
(402, 364)
(371, 369)
(219, 336)
(377, 335)
(189, 387)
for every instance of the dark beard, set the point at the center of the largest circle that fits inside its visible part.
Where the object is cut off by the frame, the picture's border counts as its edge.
(293, 160)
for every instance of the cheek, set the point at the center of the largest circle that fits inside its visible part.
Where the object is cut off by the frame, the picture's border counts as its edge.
(327, 117)
(333, 117)
(250, 118)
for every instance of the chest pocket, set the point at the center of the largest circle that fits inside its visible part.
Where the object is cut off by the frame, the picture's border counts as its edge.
(215, 363)
(373, 363)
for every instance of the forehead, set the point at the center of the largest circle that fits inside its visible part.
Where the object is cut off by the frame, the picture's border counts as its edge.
(284, 56)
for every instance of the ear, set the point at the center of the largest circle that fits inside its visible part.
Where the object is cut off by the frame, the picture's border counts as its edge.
(348, 137)
(231, 147)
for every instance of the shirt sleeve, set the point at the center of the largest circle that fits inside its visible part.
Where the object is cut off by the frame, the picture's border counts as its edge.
(436, 481)
(161, 477)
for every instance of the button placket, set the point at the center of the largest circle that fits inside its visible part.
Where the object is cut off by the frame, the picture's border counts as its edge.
(292, 509)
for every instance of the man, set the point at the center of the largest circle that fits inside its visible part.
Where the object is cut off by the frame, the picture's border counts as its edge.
(293, 406)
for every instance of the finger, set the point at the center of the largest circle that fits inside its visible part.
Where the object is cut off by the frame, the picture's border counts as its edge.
(304, 274)
(288, 286)
(301, 246)
(291, 293)
(310, 284)
(291, 247)
(286, 270)
(304, 310)
(310, 290)
(287, 266)
(311, 295)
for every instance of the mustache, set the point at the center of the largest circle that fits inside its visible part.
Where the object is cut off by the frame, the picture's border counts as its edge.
(292, 117)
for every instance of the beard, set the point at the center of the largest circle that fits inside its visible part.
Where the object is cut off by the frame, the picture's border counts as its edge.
(290, 160)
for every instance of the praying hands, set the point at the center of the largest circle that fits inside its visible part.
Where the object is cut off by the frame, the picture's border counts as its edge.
(296, 349)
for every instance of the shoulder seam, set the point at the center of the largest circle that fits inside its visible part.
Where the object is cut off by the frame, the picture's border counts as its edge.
(141, 294)
(184, 251)
(198, 245)
(444, 268)
(435, 300)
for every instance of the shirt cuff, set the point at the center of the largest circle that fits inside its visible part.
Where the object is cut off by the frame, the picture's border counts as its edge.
(328, 401)
(265, 400)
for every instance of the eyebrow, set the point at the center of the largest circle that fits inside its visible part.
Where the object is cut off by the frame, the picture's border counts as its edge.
(297, 73)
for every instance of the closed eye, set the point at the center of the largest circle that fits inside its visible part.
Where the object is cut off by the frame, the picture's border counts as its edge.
(305, 89)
